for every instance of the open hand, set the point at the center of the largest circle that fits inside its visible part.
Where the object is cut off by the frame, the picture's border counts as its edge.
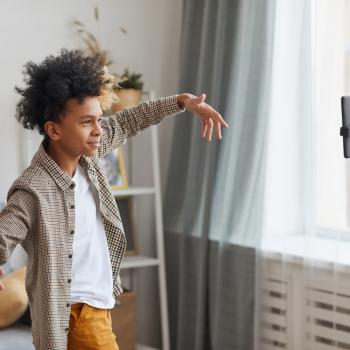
(208, 116)
(2, 273)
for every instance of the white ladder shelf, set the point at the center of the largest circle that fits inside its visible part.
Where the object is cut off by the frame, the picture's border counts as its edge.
(139, 261)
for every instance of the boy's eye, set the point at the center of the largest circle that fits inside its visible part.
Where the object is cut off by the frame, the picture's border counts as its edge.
(89, 121)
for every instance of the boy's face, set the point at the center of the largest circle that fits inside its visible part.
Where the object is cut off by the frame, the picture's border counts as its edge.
(79, 130)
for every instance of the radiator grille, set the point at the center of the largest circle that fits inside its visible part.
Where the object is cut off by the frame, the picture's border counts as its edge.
(274, 313)
(328, 318)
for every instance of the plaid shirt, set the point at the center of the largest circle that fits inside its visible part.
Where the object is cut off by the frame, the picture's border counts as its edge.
(40, 215)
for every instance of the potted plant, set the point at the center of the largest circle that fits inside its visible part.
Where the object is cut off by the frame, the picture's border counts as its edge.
(128, 89)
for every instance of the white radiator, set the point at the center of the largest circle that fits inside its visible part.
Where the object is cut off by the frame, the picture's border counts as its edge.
(327, 316)
(304, 309)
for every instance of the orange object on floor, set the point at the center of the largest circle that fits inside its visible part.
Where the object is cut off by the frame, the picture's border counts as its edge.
(90, 328)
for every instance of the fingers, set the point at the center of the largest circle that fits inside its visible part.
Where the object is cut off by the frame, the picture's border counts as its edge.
(218, 130)
(209, 117)
(209, 110)
(203, 128)
(217, 116)
(207, 129)
(222, 121)
(210, 129)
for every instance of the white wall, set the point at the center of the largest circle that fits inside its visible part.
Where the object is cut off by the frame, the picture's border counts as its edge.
(30, 30)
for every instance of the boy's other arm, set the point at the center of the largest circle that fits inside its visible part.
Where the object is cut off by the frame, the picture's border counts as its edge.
(15, 222)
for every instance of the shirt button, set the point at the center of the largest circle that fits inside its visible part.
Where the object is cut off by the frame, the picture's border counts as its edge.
(72, 206)
(72, 232)
(72, 186)
(69, 281)
(70, 255)
(68, 305)
(66, 329)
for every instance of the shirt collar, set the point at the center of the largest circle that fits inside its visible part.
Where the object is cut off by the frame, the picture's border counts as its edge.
(62, 179)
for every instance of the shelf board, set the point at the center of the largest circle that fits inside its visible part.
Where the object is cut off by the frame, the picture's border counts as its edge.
(144, 347)
(135, 261)
(131, 191)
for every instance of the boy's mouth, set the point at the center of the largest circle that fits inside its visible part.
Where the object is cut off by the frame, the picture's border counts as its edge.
(95, 143)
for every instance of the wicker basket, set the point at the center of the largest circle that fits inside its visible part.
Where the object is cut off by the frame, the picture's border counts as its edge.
(124, 320)
(127, 98)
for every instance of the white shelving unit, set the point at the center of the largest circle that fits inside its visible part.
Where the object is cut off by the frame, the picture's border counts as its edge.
(133, 191)
(158, 262)
(139, 261)
(144, 347)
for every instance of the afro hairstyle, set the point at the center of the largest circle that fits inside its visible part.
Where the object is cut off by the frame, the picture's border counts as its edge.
(51, 83)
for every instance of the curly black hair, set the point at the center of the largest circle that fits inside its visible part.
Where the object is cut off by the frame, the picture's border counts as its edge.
(51, 83)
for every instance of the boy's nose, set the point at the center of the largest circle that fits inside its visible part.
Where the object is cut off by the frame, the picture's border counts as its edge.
(98, 130)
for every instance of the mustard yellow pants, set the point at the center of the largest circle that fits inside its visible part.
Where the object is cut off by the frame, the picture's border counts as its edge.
(90, 328)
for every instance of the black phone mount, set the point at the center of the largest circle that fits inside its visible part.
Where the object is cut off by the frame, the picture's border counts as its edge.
(344, 131)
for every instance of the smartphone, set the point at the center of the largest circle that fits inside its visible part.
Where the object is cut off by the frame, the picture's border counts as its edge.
(345, 129)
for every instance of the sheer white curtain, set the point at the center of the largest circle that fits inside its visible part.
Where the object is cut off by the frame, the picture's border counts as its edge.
(303, 284)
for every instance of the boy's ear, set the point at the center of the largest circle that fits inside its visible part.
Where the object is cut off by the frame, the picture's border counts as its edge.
(52, 130)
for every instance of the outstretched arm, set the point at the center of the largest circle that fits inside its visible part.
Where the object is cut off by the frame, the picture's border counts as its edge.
(131, 121)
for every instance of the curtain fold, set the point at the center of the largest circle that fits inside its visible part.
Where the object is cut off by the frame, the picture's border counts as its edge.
(212, 208)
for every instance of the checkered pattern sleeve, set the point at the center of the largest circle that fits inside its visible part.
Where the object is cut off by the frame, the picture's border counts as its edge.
(131, 121)
(15, 222)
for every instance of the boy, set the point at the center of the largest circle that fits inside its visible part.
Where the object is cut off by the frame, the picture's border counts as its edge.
(61, 209)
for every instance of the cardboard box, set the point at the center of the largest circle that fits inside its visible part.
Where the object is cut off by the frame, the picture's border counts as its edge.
(124, 320)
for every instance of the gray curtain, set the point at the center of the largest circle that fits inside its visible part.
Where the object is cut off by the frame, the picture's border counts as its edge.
(213, 200)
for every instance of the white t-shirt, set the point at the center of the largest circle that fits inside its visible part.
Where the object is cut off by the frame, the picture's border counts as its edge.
(92, 281)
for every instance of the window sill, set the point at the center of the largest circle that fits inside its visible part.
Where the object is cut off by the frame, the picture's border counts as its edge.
(299, 248)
